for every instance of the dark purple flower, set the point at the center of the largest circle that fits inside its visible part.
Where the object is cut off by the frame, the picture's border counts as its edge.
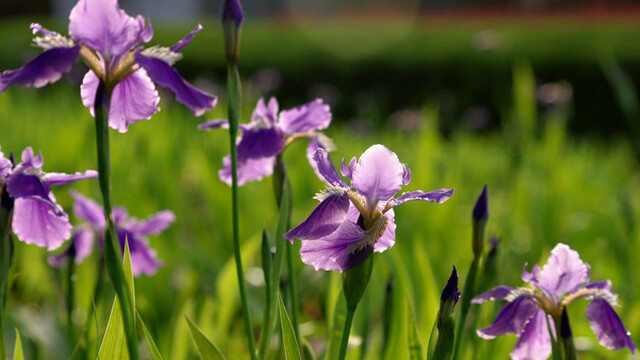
(528, 311)
(352, 218)
(107, 39)
(232, 11)
(481, 208)
(269, 133)
(37, 217)
(143, 258)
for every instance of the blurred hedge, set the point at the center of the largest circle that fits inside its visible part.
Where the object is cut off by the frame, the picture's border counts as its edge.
(372, 67)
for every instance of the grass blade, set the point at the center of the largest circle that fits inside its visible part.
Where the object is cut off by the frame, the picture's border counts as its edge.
(155, 353)
(17, 349)
(206, 349)
(339, 317)
(291, 348)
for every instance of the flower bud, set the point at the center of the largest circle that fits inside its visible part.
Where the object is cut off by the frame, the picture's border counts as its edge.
(445, 322)
(232, 18)
(356, 279)
(480, 216)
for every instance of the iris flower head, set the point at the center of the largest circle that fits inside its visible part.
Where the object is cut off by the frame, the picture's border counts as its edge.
(108, 41)
(530, 310)
(354, 220)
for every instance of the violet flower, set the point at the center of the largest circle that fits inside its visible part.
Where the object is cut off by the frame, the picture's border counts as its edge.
(268, 135)
(107, 40)
(143, 258)
(37, 217)
(353, 221)
(529, 310)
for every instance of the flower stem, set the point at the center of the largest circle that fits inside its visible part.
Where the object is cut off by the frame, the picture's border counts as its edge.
(70, 295)
(112, 252)
(345, 333)
(6, 257)
(465, 303)
(235, 103)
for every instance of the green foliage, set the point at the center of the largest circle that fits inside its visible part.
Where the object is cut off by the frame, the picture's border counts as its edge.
(17, 349)
(207, 349)
(289, 341)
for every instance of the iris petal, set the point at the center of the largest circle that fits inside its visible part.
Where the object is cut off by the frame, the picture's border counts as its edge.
(608, 327)
(42, 223)
(323, 220)
(378, 175)
(48, 67)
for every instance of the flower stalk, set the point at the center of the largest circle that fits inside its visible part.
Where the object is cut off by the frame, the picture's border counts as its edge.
(6, 257)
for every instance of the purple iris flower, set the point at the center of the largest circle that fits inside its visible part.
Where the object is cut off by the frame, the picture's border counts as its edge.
(107, 39)
(143, 258)
(269, 133)
(37, 217)
(352, 221)
(529, 310)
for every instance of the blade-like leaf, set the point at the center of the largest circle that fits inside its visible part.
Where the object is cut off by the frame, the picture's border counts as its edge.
(17, 350)
(207, 349)
(339, 317)
(155, 353)
(291, 348)
(415, 344)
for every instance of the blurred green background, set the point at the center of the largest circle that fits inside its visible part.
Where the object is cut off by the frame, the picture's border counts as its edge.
(543, 109)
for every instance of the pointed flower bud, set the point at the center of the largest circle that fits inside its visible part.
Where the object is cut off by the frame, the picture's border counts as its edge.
(445, 322)
(232, 18)
(480, 217)
(232, 11)
(356, 279)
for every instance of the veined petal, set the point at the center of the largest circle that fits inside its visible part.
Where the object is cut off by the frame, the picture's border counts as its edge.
(564, 272)
(497, 293)
(88, 90)
(334, 252)
(512, 318)
(81, 244)
(39, 222)
(22, 185)
(165, 75)
(265, 113)
(378, 175)
(318, 141)
(347, 170)
(104, 27)
(260, 143)
(56, 179)
(48, 67)
(325, 168)
(406, 175)
(314, 115)
(88, 210)
(535, 342)
(214, 124)
(186, 40)
(155, 224)
(608, 327)
(133, 99)
(437, 196)
(248, 170)
(323, 220)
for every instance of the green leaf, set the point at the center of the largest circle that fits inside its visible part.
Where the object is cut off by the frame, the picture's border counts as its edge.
(415, 344)
(207, 349)
(307, 350)
(339, 317)
(17, 350)
(155, 353)
(291, 348)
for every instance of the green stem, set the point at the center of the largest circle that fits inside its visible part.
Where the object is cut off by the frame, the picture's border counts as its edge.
(345, 333)
(235, 104)
(70, 295)
(6, 256)
(111, 246)
(465, 303)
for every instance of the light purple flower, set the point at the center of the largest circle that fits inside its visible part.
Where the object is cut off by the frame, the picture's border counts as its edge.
(351, 219)
(37, 217)
(143, 258)
(529, 311)
(269, 133)
(107, 39)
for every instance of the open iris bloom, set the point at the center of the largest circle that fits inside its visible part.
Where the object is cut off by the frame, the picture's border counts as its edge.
(107, 40)
(353, 221)
(143, 258)
(37, 217)
(530, 311)
(268, 135)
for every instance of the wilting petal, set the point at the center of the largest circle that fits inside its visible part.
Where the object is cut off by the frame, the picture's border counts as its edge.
(314, 115)
(333, 252)
(133, 99)
(325, 168)
(347, 170)
(165, 75)
(214, 124)
(81, 244)
(22, 185)
(260, 143)
(497, 293)
(40, 223)
(104, 27)
(608, 327)
(264, 113)
(323, 220)
(144, 259)
(535, 342)
(48, 67)
(438, 196)
(56, 179)
(248, 170)
(88, 210)
(186, 40)
(564, 272)
(513, 318)
(378, 174)
(154, 224)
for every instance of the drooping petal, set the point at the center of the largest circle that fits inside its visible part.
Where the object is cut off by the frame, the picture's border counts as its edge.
(347, 170)
(333, 252)
(81, 244)
(264, 113)
(186, 40)
(39, 222)
(325, 168)
(378, 175)
(144, 259)
(48, 67)
(512, 319)
(133, 99)
(314, 115)
(56, 179)
(104, 27)
(608, 327)
(248, 170)
(497, 293)
(88, 210)
(564, 272)
(21, 185)
(155, 224)
(323, 220)
(437, 196)
(260, 143)
(535, 342)
(165, 75)
(214, 124)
